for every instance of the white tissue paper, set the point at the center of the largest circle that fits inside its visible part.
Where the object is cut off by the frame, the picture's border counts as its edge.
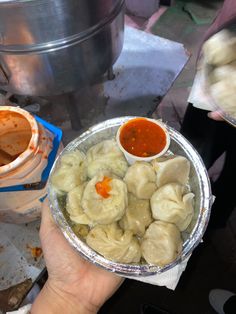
(198, 95)
(169, 278)
(23, 310)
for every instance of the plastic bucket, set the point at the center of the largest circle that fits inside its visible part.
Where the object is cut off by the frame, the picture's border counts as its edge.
(28, 148)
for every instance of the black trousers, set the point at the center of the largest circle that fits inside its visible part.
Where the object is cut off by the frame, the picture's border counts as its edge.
(211, 139)
(230, 305)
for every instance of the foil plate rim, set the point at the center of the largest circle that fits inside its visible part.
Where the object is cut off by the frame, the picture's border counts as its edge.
(142, 269)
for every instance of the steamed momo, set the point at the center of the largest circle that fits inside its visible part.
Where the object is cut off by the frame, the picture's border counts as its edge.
(170, 204)
(223, 93)
(72, 171)
(74, 208)
(108, 208)
(220, 49)
(225, 72)
(106, 156)
(141, 180)
(171, 169)
(161, 243)
(137, 216)
(114, 243)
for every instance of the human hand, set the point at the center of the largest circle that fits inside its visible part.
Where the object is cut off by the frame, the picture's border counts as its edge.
(74, 285)
(215, 115)
(225, 16)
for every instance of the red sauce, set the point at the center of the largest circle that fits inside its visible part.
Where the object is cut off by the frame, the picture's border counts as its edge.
(142, 138)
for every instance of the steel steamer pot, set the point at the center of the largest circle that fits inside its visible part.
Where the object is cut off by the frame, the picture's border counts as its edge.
(51, 47)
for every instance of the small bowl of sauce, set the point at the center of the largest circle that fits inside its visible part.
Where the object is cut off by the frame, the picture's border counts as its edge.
(142, 139)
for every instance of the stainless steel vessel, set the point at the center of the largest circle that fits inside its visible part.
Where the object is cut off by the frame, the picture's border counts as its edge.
(50, 47)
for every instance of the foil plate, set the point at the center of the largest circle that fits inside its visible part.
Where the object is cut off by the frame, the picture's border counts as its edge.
(231, 119)
(199, 184)
(217, 107)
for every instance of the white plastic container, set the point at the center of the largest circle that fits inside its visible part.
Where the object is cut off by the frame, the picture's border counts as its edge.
(28, 147)
(132, 158)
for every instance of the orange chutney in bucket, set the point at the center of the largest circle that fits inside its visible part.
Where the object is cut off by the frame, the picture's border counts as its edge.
(142, 137)
(25, 145)
(15, 135)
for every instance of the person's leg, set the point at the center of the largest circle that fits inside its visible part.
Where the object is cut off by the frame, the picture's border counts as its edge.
(224, 187)
(211, 138)
(202, 132)
(152, 309)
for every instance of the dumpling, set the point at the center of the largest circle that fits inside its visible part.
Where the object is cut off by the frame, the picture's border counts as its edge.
(171, 169)
(105, 199)
(80, 230)
(106, 156)
(137, 216)
(114, 243)
(161, 243)
(170, 204)
(225, 72)
(74, 208)
(141, 180)
(223, 92)
(220, 49)
(71, 172)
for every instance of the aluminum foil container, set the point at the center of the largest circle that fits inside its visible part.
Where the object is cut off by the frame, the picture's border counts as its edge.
(199, 184)
(230, 118)
(216, 105)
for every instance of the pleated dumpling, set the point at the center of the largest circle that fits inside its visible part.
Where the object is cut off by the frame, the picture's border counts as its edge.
(220, 49)
(106, 156)
(80, 230)
(161, 243)
(74, 208)
(105, 199)
(223, 92)
(114, 243)
(170, 204)
(171, 169)
(137, 216)
(72, 171)
(141, 180)
(225, 72)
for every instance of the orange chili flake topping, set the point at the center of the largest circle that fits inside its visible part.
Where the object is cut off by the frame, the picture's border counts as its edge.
(35, 251)
(103, 187)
